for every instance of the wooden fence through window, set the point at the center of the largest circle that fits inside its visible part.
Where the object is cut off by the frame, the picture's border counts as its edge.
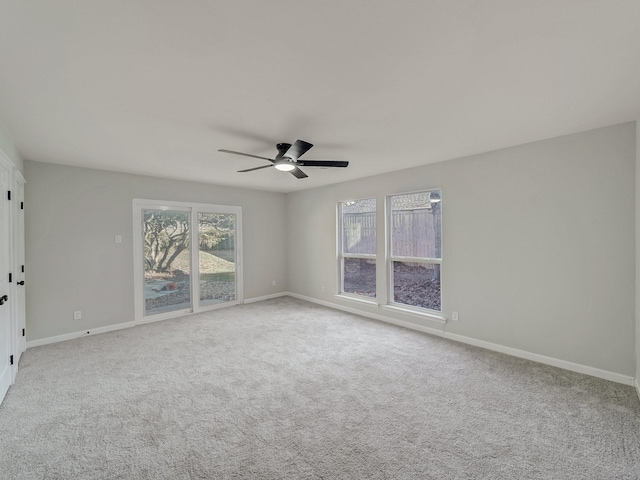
(415, 233)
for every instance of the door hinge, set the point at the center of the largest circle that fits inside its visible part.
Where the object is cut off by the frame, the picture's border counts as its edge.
(23, 332)
(9, 195)
(10, 278)
(22, 268)
(11, 359)
(21, 205)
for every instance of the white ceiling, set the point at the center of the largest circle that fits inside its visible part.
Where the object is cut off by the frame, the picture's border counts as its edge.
(157, 88)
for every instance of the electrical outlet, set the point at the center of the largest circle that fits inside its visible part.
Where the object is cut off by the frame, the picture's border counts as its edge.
(273, 283)
(323, 289)
(118, 239)
(77, 315)
(454, 316)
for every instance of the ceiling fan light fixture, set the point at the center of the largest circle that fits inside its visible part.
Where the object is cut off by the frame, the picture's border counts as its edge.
(285, 166)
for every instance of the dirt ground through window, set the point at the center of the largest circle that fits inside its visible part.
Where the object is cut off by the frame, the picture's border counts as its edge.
(413, 285)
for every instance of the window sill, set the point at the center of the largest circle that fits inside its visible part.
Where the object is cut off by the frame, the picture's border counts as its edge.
(362, 300)
(416, 313)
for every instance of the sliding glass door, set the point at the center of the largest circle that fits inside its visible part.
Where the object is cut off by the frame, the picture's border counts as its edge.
(187, 258)
(216, 257)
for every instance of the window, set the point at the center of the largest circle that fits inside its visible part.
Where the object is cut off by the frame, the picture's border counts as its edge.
(186, 258)
(415, 249)
(357, 250)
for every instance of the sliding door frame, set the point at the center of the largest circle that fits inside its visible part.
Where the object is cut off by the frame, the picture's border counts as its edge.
(139, 205)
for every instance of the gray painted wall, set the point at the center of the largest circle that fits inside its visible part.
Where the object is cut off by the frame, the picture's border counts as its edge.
(538, 245)
(73, 263)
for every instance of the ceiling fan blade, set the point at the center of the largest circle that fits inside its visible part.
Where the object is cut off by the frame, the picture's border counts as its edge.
(246, 155)
(256, 168)
(298, 149)
(296, 172)
(322, 163)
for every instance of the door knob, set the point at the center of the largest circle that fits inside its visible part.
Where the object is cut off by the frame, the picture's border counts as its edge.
(3, 299)
(20, 283)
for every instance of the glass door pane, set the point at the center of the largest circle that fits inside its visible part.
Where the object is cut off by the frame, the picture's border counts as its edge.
(217, 257)
(167, 260)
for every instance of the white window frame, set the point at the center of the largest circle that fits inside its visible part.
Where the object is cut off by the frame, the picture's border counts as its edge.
(138, 256)
(390, 258)
(341, 256)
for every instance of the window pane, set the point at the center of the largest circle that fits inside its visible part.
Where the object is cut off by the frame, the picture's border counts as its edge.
(360, 276)
(416, 225)
(359, 226)
(167, 261)
(216, 258)
(417, 284)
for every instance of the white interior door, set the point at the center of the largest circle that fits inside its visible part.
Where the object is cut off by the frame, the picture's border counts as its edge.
(5, 269)
(18, 309)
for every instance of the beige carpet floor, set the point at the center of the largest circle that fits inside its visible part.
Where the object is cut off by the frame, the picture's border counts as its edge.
(285, 389)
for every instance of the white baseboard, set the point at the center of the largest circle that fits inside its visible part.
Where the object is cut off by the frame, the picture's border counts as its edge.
(375, 316)
(267, 297)
(83, 333)
(555, 362)
(637, 384)
(120, 326)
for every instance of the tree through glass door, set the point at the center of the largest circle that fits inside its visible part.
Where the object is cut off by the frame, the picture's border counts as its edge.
(167, 260)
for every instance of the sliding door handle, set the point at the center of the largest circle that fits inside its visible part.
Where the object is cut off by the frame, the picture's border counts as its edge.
(20, 283)
(3, 299)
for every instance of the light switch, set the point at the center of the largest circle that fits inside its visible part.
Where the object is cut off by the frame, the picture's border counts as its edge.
(118, 238)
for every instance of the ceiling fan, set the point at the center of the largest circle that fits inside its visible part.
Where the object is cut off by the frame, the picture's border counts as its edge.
(288, 159)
